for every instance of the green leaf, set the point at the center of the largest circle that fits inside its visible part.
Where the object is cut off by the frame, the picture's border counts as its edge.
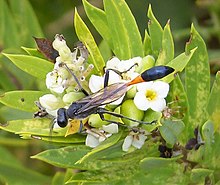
(8, 27)
(58, 179)
(147, 44)
(12, 172)
(199, 175)
(213, 107)
(26, 21)
(33, 65)
(39, 127)
(123, 28)
(197, 79)
(22, 100)
(99, 21)
(86, 37)
(167, 52)
(179, 106)
(155, 31)
(105, 50)
(33, 52)
(179, 63)
(63, 157)
(171, 130)
(5, 82)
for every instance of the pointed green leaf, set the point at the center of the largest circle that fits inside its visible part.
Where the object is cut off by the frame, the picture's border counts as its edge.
(179, 63)
(167, 52)
(39, 127)
(86, 37)
(33, 65)
(147, 44)
(22, 100)
(208, 132)
(99, 21)
(63, 157)
(155, 31)
(171, 130)
(197, 79)
(213, 107)
(124, 31)
(33, 52)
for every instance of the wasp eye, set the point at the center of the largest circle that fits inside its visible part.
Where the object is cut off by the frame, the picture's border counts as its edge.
(62, 119)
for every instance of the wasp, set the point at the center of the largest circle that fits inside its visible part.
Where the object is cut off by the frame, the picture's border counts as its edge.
(92, 104)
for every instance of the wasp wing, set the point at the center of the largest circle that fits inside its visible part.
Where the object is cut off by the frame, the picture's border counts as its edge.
(104, 96)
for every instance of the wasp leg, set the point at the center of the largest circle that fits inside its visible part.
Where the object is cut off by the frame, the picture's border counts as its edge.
(102, 111)
(76, 79)
(80, 127)
(117, 72)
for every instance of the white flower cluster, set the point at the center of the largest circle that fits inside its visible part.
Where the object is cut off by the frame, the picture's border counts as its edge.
(148, 95)
(60, 81)
(62, 84)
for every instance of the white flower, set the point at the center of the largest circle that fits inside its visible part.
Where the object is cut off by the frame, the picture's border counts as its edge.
(51, 103)
(151, 95)
(95, 136)
(134, 139)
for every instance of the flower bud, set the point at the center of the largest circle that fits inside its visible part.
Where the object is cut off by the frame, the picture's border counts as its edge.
(50, 101)
(131, 92)
(146, 63)
(72, 96)
(65, 54)
(96, 121)
(59, 42)
(129, 109)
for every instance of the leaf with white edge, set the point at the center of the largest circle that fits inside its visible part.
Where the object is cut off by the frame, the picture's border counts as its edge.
(197, 79)
(86, 37)
(33, 65)
(65, 157)
(213, 107)
(167, 52)
(155, 32)
(171, 130)
(22, 100)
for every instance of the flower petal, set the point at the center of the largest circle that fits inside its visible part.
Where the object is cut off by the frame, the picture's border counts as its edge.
(141, 101)
(144, 86)
(50, 101)
(92, 141)
(158, 105)
(162, 88)
(113, 63)
(96, 83)
(111, 128)
(139, 140)
(127, 143)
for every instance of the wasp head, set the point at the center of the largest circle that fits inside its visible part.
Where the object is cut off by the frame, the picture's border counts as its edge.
(62, 118)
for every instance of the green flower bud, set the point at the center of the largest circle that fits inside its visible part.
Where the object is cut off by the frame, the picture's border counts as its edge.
(96, 121)
(129, 109)
(72, 96)
(151, 116)
(131, 92)
(146, 63)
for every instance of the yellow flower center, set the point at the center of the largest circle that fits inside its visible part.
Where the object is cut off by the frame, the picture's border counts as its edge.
(151, 95)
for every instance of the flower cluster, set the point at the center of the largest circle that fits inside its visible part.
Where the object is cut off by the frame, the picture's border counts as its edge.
(63, 86)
